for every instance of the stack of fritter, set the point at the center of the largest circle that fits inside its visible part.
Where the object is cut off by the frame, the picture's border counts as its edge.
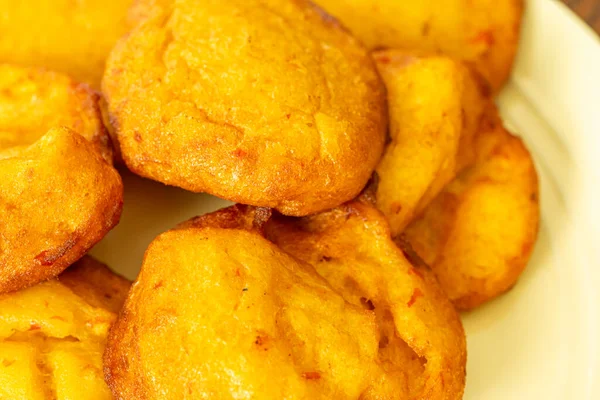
(379, 192)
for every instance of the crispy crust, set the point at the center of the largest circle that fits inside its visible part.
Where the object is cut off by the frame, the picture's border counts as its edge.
(479, 233)
(35, 100)
(58, 198)
(52, 335)
(393, 330)
(484, 33)
(351, 247)
(270, 132)
(435, 109)
(96, 284)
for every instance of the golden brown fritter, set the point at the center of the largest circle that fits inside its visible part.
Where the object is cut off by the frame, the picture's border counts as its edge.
(219, 311)
(421, 339)
(58, 197)
(478, 234)
(52, 336)
(482, 32)
(72, 37)
(269, 103)
(435, 108)
(34, 100)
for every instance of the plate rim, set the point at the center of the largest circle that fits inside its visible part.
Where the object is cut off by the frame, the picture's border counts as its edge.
(578, 52)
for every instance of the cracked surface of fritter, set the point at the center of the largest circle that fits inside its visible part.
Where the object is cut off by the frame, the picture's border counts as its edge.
(482, 32)
(58, 197)
(479, 233)
(52, 335)
(421, 339)
(435, 108)
(72, 37)
(219, 311)
(269, 103)
(34, 100)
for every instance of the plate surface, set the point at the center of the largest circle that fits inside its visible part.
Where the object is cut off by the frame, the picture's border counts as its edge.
(540, 340)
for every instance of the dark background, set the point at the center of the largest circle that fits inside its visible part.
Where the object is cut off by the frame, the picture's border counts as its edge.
(588, 10)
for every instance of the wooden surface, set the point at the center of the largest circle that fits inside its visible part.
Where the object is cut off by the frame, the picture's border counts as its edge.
(588, 10)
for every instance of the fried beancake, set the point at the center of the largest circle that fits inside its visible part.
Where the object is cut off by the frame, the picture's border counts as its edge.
(34, 100)
(482, 32)
(58, 197)
(435, 108)
(259, 322)
(72, 37)
(479, 233)
(421, 339)
(269, 103)
(52, 335)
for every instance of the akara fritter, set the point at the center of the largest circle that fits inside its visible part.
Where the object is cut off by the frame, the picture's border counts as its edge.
(72, 37)
(421, 341)
(34, 100)
(478, 234)
(482, 32)
(52, 335)
(58, 197)
(435, 108)
(269, 103)
(219, 311)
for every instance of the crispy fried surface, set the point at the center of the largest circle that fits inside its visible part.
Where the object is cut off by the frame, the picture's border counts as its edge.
(435, 107)
(482, 32)
(72, 37)
(52, 337)
(257, 322)
(479, 233)
(269, 103)
(96, 284)
(58, 197)
(421, 340)
(34, 100)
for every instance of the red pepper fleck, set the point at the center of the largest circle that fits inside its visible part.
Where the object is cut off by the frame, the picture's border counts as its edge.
(416, 294)
(240, 153)
(49, 257)
(158, 285)
(311, 375)
(34, 327)
(526, 248)
(486, 37)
